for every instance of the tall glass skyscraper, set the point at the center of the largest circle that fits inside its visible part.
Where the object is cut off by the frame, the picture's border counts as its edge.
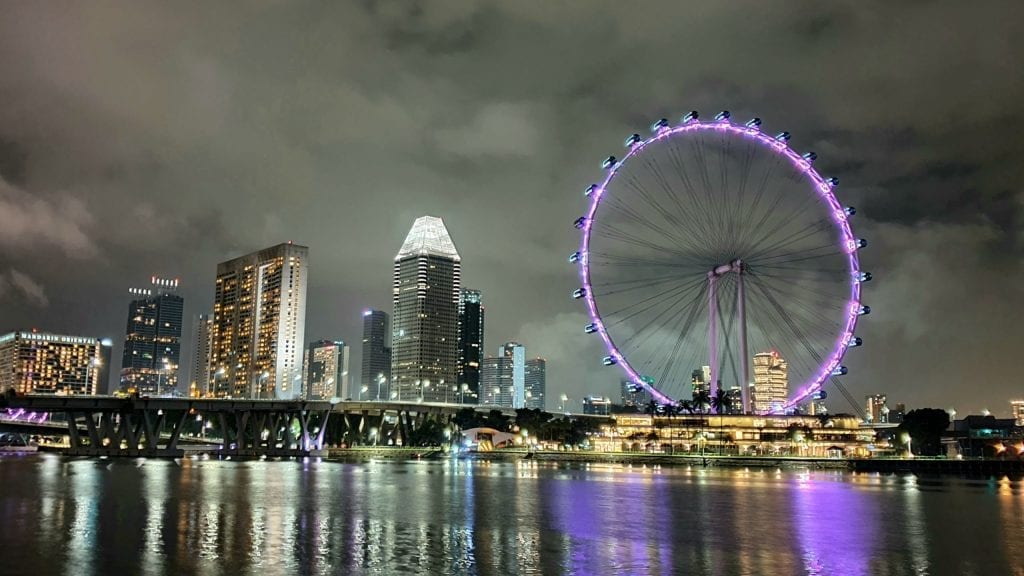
(536, 382)
(471, 345)
(424, 337)
(325, 371)
(259, 320)
(376, 369)
(200, 377)
(152, 344)
(503, 378)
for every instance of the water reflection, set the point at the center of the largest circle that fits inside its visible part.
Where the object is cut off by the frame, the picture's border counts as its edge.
(464, 517)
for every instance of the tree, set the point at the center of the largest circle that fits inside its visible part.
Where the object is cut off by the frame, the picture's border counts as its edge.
(651, 408)
(532, 419)
(467, 419)
(701, 404)
(925, 427)
(721, 402)
(670, 410)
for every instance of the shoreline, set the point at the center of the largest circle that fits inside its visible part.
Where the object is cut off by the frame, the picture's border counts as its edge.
(885, 465)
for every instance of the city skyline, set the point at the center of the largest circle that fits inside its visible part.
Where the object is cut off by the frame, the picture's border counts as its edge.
(225, 161)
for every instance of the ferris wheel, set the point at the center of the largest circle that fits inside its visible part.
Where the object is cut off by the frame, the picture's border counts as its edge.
(711, 248)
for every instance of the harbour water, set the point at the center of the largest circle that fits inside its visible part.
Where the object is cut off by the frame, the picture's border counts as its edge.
(84, 517)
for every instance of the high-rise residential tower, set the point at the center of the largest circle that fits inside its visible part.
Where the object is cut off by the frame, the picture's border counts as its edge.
(471, 345)
(771, 382)
(1017, 410)
(503, 377)
(876, 409)
(700, 380)
(376, 368)
(152, 344)
(41, 363)
(425, 331)
(325, 371)
(259, 316)
(199, 375)
(535, 382)
(631, 394)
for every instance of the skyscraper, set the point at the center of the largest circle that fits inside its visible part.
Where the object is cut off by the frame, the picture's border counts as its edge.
(41, 363)
(1017, 408)
(325, 371)
(771, 382)
(376, 369)
(700, 380)
(152, 343)
(471, 345)
(536, 383)
(427, 281)
(199, 375)
(876, 410)
(503, 377)
(259, 316)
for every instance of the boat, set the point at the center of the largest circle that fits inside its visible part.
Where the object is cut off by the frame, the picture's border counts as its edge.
(11, 442)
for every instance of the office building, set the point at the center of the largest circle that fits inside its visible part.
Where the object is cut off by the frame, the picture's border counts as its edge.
(897, 413)
(700, 380)
(597, 405)
(875, 409)
(425, 334)
(503, 378)
(634, 395)
(376, 366)
(735, 396)
(535, 383)
(259, 317)
(42, 363)
(199, 374)
(771, 382)
(1017, 409)
(325, 371)
(471, 345)
(152, 344)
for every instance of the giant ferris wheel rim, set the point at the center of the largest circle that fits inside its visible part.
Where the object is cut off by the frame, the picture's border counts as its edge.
(821, 186)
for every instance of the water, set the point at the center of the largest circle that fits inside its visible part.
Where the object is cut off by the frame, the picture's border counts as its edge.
(82, 517)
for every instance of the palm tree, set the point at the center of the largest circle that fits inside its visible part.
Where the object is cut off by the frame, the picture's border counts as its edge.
(722, 403)
(651, 408)
(670, 410)
(701, 404)
(687, 407)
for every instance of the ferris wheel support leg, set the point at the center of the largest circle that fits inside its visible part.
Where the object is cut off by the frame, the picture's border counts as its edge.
(712, 335)
(744, 358)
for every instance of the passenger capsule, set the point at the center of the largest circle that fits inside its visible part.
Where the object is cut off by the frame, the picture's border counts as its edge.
(782, 136)
(609, 361)
(809, 156)
(632, 140)
(580, 222)
(659, 125)
(574, 257)
(590, 190)
(861, 243)
(850, 210)
(855, 341)
(833, 181)
(863, 276)
(609, 162)
(864, 310)
(590, 328)
(579, 293)
(690, 117)
(840, 371)
(723, 115)
(753, 123)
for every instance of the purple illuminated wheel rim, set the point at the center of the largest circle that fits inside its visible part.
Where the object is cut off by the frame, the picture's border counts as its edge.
(848, 245)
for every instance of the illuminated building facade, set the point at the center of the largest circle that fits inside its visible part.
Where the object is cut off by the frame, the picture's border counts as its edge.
(152, 344)
(325, 371)
(700, 381)
(535, 382)
(259, 317)
(376, 364)
(199, 374)
(425, 331)
(41, 363)
(771, 382)
(875, 409)
(597, 405)
(471, 345)
(503, 377)
(1017, 409)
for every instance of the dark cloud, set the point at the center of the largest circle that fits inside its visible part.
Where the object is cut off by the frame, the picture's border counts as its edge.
(143, 138)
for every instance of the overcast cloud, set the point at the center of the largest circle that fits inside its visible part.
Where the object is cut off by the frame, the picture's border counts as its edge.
(142, 138)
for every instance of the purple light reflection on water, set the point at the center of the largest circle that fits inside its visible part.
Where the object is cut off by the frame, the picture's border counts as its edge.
(821, 186)
(843, 541)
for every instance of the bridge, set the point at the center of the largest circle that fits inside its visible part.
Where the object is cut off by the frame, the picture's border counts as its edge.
(112, 426)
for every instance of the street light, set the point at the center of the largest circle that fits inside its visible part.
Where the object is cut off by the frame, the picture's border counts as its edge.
(362, 391)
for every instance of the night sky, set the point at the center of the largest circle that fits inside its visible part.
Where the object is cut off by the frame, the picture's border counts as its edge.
(161, 138)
